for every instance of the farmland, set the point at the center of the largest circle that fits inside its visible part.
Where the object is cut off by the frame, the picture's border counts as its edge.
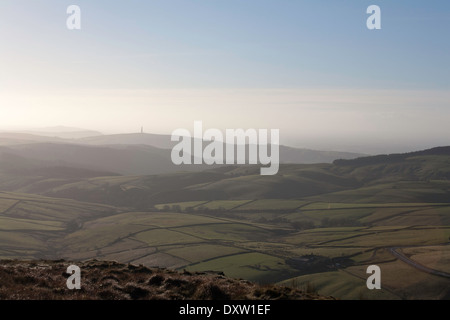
(243, 241)
(313, 226)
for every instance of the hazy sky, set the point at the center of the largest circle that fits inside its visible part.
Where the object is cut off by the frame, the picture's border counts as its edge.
(309, 68)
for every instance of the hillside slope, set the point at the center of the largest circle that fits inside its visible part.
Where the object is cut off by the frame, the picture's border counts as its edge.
(416, 177)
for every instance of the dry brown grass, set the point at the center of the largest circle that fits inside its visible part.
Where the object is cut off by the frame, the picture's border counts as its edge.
(105, 280)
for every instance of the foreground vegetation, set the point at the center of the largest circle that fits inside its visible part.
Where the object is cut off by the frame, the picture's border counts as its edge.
(102, 280)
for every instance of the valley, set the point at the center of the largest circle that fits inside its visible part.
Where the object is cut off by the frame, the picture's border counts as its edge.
(315, 226)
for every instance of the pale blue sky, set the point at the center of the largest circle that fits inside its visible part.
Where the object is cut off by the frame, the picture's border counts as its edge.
(310, 68)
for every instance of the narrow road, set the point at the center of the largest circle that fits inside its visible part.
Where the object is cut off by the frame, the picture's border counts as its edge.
(416, 265)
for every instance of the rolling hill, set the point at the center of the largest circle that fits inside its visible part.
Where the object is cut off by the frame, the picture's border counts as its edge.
(15, 138)
(287, 154)
(312, 225)
(128, 160)
(140, 153)
(415, 178)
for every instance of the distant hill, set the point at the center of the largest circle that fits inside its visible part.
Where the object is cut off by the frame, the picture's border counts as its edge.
(391, 158)
(65, 135)
(56, 134)
(14, 164)
(126, 154)
(287, 154)
(415, 178)
(307, 156)
(121, 159)
(150, 177)
(64, 129)
(156, 140)
(13, 138)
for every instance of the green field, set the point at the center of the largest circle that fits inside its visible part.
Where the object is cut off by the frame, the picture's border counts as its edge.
(9, 224)
(163, 237)
(251, 266)
(434, 257)
(254, 243)
(272, 204)
(340, 284)
(202, 252)
(225, 204)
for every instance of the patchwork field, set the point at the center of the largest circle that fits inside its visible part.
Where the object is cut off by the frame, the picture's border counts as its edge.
(320, 246)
